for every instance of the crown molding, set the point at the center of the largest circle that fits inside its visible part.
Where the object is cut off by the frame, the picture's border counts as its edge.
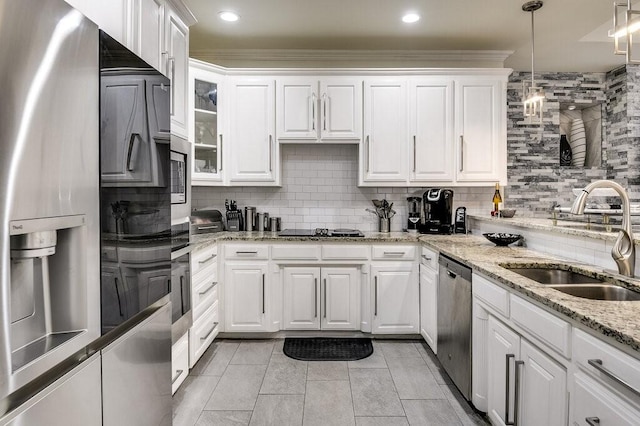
(183, 10)
(349, 56)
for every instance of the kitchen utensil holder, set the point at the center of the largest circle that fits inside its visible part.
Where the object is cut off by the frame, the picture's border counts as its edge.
(384, 224)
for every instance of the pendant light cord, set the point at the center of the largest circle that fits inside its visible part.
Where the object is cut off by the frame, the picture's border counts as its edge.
(533, 48)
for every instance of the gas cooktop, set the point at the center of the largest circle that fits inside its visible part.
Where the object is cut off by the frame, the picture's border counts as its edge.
(321, 232)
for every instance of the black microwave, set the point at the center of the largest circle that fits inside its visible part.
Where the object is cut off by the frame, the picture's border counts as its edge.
(178, 178)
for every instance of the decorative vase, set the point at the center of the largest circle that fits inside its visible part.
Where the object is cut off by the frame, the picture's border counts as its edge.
(565, 151)
(578, 142)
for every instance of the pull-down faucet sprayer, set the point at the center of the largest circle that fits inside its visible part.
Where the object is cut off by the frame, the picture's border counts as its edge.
(624, 249)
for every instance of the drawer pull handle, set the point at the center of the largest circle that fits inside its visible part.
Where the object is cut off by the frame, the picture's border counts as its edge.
(315, 298)
(394, 253)
(207, 259)
(597, 364)
(177, 376)
(206, 336)
(208, 289)
(375, 295)
(246, 252)
(263, 278)
(516, 403)
(325, 297)
(592, 421)
(428, 259)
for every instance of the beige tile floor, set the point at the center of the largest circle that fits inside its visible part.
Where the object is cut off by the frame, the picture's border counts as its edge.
(251, 382)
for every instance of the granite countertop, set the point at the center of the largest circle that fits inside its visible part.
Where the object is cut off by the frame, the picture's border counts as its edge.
(563, 226)
(618, 320)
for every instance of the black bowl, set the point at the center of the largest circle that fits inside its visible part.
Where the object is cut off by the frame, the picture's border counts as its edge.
(501, 238)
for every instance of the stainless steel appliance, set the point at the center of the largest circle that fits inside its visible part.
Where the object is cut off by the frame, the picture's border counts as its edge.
(438, 212)
(206, 221)
(454, 322)
(460, 225)
(49, 218)
(180, 175)
(181, 318)
(136, 265)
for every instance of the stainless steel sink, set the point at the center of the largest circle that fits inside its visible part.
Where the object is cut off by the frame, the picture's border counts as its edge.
(598, 292)
(574, 283)
(551, 276)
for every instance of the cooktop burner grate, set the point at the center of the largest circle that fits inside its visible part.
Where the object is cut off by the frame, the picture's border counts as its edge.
(321, 232)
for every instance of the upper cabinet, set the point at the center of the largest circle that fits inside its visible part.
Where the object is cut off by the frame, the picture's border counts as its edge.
(253, 152)
(206, 100)
(481, 130)
(158, 32)
(319, 109)
(383, 153)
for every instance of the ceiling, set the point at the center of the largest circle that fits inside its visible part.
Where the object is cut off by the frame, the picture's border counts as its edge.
(570, 34)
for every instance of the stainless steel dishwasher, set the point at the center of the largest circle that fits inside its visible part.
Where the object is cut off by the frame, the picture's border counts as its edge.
(454, 322)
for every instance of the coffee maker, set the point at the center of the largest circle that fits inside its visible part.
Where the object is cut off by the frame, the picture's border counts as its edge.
(437, 212)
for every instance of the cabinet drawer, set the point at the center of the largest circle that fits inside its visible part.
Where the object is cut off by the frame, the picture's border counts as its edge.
(200, 259)
(393, 252)
(490, 293)
(614, 362)
(204, 296)
(429, 258)
(246, 252)
(295, 252)
(543, 325)
(345, 252)
(202, 333)
(210, 273)
(179, 362)
(591, 400)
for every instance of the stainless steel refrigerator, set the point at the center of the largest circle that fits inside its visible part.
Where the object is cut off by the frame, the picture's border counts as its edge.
(49, 214)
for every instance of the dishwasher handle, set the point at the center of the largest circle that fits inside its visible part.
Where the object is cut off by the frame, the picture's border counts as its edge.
(451, 274)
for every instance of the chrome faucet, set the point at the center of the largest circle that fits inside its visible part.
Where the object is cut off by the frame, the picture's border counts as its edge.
(624, 249)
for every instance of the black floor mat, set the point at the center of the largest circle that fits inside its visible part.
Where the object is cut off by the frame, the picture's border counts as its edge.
(327, 349)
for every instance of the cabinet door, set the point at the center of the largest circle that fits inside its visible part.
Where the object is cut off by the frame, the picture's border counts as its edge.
(340, 298)
(245, 296)
(543, 393)
(395, 298)
(111, 16)
(481, 132)
(503, 349)
(206, 97)
(148, 32)
(431, 117)
(301, 286)
(340, 109)
(126, 150)
(590, 399)
(429, 306)
(177, 48)
(297, 114)
(384, 151)
(254, 153)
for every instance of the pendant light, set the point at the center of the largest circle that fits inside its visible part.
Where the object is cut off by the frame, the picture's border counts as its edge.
(625, 31)
(533, 96)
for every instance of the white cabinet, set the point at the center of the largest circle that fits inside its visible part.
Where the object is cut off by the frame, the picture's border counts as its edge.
(395, 297)
(592, 403)
(311, 109)
(524, 384)
(205, 304)
(429, 301)
(431, 130)
(179, 362)
(480, 130)
(206, 101)
(321, 298)
(114, 17)
(148, 31)
(245, 296)
(254, 154)
(177, 48)
(383, 153)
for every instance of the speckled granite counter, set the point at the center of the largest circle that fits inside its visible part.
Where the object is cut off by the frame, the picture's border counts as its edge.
(619, 320)
(563, 227)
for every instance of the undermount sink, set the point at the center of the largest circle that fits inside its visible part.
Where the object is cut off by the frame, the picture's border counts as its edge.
(574, 283)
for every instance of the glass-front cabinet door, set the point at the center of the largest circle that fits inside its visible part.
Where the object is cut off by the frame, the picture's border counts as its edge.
(205, 129)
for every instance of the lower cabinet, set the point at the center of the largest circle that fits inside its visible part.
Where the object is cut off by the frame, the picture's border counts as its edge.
(396, 305)
(429, 306)
(245, 300)
(594, 404)
(325, 298)
(179, 362)
(525, 385)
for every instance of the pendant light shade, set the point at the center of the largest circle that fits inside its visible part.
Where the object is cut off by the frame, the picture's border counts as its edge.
(622, 32)
(532, 95)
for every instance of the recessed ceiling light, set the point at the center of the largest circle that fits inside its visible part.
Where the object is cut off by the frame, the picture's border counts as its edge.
(229, 16)
(410, 18)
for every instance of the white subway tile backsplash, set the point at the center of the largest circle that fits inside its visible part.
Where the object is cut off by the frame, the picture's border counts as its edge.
(319, 189)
